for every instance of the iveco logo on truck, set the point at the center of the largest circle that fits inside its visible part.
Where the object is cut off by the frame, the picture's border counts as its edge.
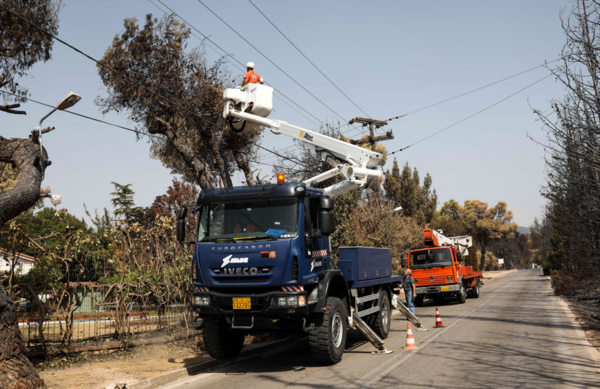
(227, 260)
(240, 271)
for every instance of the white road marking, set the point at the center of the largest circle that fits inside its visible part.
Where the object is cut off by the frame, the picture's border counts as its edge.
(406, 357)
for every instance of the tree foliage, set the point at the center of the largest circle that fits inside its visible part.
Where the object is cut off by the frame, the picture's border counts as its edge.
(373, 224)
(486, 224)
(21, 45)
(123, 202)
(193, 140)
(473, 258)
(404, 189)
(569, 240)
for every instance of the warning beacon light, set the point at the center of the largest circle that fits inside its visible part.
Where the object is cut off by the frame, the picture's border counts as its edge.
(280, 178)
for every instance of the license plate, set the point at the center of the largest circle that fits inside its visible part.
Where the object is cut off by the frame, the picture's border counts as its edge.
(444, 289)
(241, 303)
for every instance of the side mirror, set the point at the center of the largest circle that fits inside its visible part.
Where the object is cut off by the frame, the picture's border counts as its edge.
(327, 223)
(181, 224)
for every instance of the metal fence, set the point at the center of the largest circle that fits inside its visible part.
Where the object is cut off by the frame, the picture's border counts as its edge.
(92, 323)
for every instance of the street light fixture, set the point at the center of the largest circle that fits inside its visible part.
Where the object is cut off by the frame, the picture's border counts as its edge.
(66, 102)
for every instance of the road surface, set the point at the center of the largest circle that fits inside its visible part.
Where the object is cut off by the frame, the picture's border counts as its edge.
(517, 334)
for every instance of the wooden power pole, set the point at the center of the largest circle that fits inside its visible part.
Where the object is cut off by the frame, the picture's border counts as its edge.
(373, 124)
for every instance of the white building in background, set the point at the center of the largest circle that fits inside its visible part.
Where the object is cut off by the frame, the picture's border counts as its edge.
(24, 262)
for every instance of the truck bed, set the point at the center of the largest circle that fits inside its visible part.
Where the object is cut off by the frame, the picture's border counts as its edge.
(376, 281)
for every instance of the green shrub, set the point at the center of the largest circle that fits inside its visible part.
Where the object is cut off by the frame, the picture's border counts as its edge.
(548, 266)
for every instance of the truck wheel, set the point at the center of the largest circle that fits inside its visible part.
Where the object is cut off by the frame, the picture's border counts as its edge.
(220, 340)
(475, 292)
(419, 301)
(381, 324)
(461, 297)
(328, 340)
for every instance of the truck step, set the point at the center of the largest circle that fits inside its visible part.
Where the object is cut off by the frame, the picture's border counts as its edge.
(370, 297)
(368, 311)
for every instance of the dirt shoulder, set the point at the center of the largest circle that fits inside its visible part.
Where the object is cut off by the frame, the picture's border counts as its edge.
(492, 275)
(583, 311)
(126, 367)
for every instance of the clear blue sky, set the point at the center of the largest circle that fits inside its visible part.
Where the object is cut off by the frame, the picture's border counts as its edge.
(390, 57)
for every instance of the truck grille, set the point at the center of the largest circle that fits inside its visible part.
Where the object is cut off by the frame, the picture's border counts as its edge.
(424, 281)
(242, 280)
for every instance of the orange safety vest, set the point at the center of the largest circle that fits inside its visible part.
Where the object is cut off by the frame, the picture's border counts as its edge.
(251, 77)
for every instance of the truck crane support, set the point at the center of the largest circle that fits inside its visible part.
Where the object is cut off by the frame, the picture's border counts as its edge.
(262, 258)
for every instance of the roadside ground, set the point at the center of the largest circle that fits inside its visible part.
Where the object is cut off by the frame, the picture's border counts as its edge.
(117, 367)
(148, 363)
(490, 275)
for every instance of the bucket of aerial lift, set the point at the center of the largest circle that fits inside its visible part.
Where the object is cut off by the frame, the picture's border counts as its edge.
(256, 99)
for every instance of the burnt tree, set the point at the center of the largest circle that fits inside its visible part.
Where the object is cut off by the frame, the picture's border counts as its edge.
(16, 371)
(22, 45)
(25, 156)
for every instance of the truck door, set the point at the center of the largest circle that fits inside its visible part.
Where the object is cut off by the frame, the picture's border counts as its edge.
(316, 253)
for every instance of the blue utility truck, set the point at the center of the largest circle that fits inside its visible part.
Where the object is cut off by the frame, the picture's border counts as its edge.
(262, 260)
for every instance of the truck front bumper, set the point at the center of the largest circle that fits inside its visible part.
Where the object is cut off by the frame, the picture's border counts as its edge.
(434, 289)
(262, 304)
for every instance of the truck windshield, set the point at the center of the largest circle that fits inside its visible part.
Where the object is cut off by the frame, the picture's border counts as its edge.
(425, 259)
(249, 219)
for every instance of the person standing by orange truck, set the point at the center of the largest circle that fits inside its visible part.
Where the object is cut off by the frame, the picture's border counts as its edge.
(251, 76)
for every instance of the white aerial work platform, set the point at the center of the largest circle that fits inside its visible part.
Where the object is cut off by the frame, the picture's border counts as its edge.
(251, 104)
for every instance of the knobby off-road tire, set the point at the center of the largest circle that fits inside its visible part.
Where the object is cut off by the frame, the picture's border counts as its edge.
(327, 341)
(461, 297)
(381, 324)
(475, 292)
(220, 341)
(419, 301)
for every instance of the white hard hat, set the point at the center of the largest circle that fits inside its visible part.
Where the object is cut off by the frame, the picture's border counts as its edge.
(250, 65)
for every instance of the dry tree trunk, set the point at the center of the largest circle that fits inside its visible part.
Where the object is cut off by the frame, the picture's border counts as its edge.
(16, 371)
(25, 155)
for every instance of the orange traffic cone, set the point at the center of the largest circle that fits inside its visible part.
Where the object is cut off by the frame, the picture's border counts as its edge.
(438, 319)
(410, 340)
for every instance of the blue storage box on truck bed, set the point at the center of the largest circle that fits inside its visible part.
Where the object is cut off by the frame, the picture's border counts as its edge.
(365, 263)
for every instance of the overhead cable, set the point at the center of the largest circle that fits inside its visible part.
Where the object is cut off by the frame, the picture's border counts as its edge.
(228, 55)
(268, 59)
(137, 83)
(474, 90)
(311, 62)
(468, 117)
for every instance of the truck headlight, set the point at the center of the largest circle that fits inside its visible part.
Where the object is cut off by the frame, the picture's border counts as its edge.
(281, 301)
(203, 301)
(450, 279)
(292, 302)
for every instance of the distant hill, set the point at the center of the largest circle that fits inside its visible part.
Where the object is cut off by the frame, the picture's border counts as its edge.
(523, 230)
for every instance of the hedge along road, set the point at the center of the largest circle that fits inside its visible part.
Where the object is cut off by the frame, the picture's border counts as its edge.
(517, 334)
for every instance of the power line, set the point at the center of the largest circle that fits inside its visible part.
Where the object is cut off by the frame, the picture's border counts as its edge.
(468, 117)
(115, 125)
(231, 55)
(311, 62)
(137, 83)
(94, 119)
(474, 90)
(463, 94)
(268, 59)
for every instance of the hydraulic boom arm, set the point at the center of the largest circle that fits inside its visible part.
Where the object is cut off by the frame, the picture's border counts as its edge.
(358, 165)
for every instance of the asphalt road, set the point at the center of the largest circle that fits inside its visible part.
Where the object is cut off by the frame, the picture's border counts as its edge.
(517, 334)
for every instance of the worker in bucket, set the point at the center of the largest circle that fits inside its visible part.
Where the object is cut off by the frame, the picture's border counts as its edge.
(251, 76)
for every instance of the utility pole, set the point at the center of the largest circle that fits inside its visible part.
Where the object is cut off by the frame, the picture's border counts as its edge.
(372, 123)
